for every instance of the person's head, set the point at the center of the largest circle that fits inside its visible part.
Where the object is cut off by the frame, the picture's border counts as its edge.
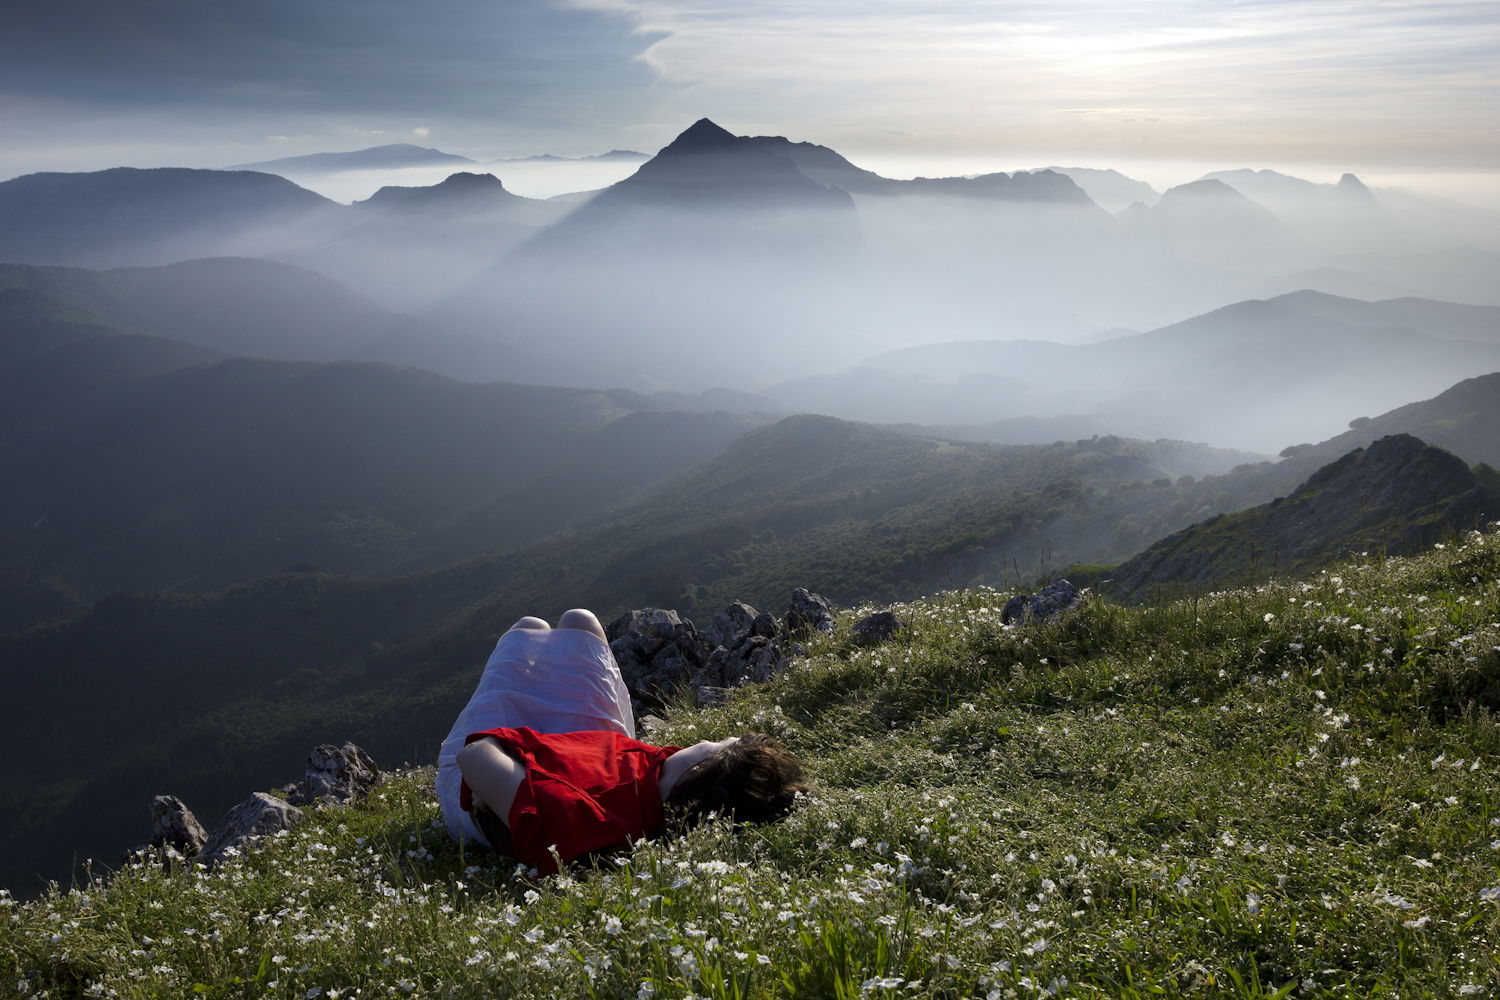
(753, 779)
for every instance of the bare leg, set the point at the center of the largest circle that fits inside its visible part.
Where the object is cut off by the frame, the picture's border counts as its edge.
(493, 776)
(531, 623)
(583, 620)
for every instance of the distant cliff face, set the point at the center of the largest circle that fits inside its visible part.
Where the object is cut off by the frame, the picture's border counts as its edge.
(1393, 497)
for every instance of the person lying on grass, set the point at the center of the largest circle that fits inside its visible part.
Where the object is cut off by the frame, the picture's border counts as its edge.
(544, 757)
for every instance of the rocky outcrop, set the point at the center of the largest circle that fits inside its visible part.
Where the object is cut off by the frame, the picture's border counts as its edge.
(258, 816)
(659, 651)
(174, 826)
(1052, 600)
(809, 611)
(337, 774)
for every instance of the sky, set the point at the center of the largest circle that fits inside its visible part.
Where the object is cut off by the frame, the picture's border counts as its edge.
(1405, 87)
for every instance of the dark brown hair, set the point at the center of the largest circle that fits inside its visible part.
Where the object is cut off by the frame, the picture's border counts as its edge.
(754, 780)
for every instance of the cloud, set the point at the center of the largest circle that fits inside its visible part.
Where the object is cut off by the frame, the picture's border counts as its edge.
(421, 130)
(524, 71)
(1254, 78)
(1314, 73)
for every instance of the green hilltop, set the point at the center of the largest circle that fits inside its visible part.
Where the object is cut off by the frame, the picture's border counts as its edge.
(1290, 790)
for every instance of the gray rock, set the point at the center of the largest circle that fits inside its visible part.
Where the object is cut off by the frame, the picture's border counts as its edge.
(765, 625)
(1052, 600)
(656, 649)
(707, 695)
(809, 611)
(258, 816)
(877, 627)
(174, 825)
(731, 625)
(1014, 612)
(753, 660)
(340, 774)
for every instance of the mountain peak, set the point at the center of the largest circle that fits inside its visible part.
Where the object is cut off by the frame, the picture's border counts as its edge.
(1352, 187)
(702, 136)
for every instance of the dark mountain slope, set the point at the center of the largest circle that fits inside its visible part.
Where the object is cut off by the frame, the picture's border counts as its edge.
(127, 216)
(827, 167)
(1394, 497)
(240, 306)
(196, 478)
(1464, 420)
(32, 323)
(459, 194)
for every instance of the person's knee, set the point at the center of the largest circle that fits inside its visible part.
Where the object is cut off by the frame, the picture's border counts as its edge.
(531, 622)
(583, 620)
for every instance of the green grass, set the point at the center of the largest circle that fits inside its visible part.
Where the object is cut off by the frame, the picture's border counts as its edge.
(1286, 791)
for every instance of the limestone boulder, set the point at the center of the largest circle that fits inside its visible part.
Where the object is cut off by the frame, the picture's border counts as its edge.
(258, 816)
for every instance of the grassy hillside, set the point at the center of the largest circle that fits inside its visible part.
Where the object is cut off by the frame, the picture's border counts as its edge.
(212, 690)
(1395, 497)
(1283, 791)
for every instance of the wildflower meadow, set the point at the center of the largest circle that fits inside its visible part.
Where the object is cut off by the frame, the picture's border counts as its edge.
(1284, 791)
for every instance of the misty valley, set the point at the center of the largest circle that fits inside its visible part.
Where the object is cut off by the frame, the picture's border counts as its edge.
(277, 468)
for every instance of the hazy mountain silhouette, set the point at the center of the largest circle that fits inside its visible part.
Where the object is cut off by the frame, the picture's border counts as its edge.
(709, 168)
(1248, 375)
(1208, 223)
(828, 167)
(1110, 189)
(1344, 217)
(459, 194)
(127, 216)
(653, 281)
(613, 156)
(384, 157)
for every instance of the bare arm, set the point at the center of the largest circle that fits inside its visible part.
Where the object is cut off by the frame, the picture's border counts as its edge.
(493, 776)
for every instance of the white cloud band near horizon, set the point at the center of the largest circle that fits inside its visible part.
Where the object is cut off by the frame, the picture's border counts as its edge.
(1412, 83)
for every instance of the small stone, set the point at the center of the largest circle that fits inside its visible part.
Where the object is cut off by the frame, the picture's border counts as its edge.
(709, 695)
(256, 817)
(877, 627)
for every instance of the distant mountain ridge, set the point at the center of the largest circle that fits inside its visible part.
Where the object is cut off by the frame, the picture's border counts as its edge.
(384, 157)
(130, 216)
(1244, 375)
